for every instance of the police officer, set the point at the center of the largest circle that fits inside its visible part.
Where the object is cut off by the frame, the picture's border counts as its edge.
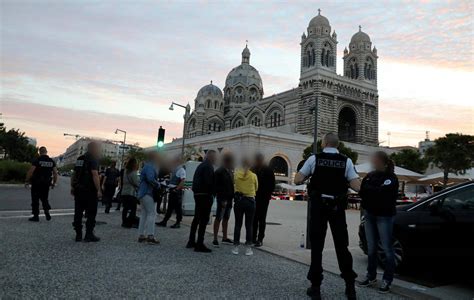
(85, 186)
(42, 175)
(176, 186)
(331, 175)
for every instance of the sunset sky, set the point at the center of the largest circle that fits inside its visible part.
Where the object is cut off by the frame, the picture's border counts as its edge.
(89, 67)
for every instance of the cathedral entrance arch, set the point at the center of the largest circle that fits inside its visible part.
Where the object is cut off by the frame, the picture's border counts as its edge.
(347, 125)
(279, 166)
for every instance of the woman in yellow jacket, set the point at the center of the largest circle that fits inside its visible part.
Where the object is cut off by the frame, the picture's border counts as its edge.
(246, 186)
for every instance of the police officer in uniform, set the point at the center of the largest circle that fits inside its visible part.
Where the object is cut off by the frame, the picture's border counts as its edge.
(331, 175)
(175, 196)
(85, 186)
(42, 175)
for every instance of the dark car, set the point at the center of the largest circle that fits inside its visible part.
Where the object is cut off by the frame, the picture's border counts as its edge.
(441, 225)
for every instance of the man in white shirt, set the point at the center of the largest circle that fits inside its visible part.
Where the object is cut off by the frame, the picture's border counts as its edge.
(331, 175)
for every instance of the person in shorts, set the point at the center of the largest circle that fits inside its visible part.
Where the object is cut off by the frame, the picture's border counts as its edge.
(224, 195)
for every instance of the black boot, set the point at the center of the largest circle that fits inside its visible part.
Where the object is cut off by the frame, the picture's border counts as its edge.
(350, 290)
(161, 224)
(202, 248)
(190, 244)
(314, 292)
(90, 237)
(176, 225)
(34, 219)
(78, 235)
(48, 216)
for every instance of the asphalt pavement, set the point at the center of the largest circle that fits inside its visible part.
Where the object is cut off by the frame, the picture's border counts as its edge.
(41, 260)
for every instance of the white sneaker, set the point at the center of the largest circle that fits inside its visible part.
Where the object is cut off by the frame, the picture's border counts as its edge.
(235, 250)
(248, 251)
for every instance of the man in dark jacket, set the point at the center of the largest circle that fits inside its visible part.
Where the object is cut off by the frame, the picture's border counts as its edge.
(204, 190)
(266, 186)
(224, 196)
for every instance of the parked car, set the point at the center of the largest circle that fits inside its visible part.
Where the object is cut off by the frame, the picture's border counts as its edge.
(440, 225)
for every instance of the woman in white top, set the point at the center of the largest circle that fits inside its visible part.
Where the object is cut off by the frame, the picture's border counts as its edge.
(130, 185)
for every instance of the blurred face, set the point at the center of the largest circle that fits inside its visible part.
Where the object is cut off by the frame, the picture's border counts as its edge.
(245, 164)
(377, 163)
(211, 157)
(95, 151)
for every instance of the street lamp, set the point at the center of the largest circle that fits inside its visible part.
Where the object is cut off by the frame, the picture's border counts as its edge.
(123, 145)
(187, 109)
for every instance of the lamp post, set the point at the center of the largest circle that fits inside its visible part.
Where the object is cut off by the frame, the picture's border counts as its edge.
(314, 110)
(187, 109)
(123, 145)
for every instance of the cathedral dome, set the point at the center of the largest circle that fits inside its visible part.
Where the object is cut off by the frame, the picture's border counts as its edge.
(360, 36)
(209, 90)
(245, 75)
(319, 21)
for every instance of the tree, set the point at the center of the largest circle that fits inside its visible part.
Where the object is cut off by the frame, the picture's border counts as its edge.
(453, 153)
(410, 159)
(308, 151)
(15, 145)
(192, 153)
(137, 153)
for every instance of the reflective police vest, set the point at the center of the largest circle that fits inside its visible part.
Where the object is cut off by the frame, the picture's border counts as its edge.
(329, 175)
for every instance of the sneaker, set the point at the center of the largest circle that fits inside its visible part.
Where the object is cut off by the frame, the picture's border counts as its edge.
(34, 219)
(384, 287)
(227, 241)
(215, 243)
(90, 237)
(141, 239)
(248, 251)
(314, 292)
(152, 241)
(161, 224)
(350, 291)
(48, 216)
(176, 225)
(258, 244)
(367, 282)
(235, 250)
(190, 244)
(202, 248)
(78, 236)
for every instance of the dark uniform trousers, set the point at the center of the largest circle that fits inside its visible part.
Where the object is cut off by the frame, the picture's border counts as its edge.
(175, 201)
(202, 213)
(39, 192)
(336, 217)
(85, 202)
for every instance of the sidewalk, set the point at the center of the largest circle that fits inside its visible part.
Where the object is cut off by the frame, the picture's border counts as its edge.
(41, 260)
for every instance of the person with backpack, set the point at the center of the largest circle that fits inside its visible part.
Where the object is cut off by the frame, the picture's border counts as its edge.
(42, 175)
(130, 184)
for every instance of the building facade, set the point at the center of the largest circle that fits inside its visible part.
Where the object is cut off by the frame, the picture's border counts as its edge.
(240, 119)
(79, 147)
(347, 104)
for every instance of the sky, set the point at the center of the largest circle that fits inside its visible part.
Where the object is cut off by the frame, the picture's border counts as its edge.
(89, 67)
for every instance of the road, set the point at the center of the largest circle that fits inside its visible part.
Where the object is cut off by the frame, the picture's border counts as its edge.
(17, 197)
(35, 263)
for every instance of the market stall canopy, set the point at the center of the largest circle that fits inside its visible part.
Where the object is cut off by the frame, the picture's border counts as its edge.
(301, 187)
(402, 174)
(437, 178)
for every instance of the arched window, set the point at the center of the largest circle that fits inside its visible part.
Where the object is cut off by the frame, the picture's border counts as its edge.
(310, 58)
(208, 104)
(216, 104)
(255, 121)
(279, 166)
(347, 125)
(369, 72)
(327, 56)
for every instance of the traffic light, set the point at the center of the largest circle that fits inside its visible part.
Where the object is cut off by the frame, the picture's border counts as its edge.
(161, 137)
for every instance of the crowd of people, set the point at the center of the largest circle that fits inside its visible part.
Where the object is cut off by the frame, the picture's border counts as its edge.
(246, 189)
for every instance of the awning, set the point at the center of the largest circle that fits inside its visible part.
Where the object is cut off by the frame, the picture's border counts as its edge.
(402, 174)
(437, 178)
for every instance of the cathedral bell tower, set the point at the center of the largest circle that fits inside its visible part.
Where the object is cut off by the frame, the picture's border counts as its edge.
(360, 61)
(318, 47)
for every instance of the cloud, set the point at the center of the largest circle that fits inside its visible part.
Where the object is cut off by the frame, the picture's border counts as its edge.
(48, 123)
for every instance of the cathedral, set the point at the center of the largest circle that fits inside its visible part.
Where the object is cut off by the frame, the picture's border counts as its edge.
(282, 125)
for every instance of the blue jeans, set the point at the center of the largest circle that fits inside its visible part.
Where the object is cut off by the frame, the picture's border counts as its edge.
(380, 228)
